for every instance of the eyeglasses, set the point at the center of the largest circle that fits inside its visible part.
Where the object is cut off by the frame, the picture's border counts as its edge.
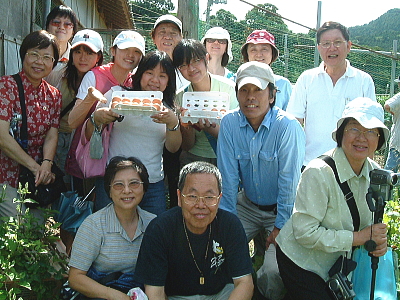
(222, 42)
(132, 185)
(194, 63)
(369, 134)
(194, 199)
(34, 56)
(57, 23)
(327, 44)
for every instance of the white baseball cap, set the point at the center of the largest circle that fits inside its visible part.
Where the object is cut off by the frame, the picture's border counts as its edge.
(397, 80)
(256, 73)
(367, 112)
(130, 39)
(220, 34)
(169, 19)
(89, 38)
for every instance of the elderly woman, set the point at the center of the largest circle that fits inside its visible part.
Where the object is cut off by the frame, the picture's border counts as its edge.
(219, 48)
(107, 243)
(39, 55)
(321, 228)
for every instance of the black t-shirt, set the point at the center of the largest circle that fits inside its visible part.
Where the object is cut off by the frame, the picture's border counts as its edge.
(165, 258)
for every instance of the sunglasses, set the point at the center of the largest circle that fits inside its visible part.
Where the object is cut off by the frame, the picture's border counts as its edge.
(222, 42)
(57, 23)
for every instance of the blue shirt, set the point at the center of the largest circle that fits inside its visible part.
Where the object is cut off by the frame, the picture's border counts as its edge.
(284, 91)
(267, 162)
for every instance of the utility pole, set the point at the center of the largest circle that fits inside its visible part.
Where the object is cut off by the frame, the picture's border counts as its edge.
(188, 13)
(316, 53)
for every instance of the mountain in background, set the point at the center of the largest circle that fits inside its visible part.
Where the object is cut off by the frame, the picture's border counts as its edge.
(380, 33)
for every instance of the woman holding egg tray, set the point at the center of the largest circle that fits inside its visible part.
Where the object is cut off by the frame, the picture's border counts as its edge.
(143, 136)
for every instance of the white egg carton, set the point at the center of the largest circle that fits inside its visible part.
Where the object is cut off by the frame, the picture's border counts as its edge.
(201, 105)
(138, 109)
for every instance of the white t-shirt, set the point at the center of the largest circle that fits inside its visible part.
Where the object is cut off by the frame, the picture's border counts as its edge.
(320, 104)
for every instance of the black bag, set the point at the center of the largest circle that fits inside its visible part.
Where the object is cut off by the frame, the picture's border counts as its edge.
(42, 194)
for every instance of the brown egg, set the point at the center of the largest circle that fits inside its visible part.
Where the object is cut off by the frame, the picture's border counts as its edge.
(157, 107)
(146, 101)
(157, 101)
(214, 109)
(116, 99)
(223, 110)
(136, 101)
(126, 101)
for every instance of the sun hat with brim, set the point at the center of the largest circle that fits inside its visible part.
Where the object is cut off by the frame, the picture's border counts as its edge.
(130, 39)
(367, 112)
(397, 80)
(88, 38)
(255, 73)
(169, 19)
(220, 34)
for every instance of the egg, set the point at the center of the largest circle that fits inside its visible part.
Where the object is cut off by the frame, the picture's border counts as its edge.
(157, 101)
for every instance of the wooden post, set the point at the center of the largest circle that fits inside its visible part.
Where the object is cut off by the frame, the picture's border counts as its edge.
(188, 13)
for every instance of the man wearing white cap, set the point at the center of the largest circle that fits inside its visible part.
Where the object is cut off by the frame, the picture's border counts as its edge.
(393, 106)
(320, 94)
(261, 147)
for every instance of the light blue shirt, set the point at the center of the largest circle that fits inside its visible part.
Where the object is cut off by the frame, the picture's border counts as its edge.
(284, 91)
(267, 163)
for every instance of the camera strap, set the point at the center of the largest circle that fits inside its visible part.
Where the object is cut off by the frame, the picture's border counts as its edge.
(348, 194)
(24, 126)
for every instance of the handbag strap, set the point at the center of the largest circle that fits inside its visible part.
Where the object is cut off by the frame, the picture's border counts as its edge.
(24, 126)
(67, 108)
(348, 194)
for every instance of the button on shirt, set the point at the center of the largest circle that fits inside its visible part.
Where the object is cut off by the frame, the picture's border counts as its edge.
(320, 103)
(267, 162)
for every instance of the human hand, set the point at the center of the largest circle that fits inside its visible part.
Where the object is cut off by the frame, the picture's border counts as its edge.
(104, 115)
(205, 124)
(271, 237)
(43, 174)
(166, 116)
(95, 95)
(114, 294)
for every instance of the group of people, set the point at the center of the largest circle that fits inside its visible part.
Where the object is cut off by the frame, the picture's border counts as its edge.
(257, 173)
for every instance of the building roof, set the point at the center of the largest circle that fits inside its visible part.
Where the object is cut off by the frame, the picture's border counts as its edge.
(116, 13)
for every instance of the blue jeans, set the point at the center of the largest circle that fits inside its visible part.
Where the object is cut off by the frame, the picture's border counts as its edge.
(393, 160)
(153, 200)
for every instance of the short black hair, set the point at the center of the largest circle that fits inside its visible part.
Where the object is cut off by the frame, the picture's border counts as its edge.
(188, 49)
(333, 25)
(340, 133)
(39, 39)
(62, 11)
(149, 62)
(118, 163)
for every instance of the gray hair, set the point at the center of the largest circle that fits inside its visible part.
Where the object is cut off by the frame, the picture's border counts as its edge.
(199, 167)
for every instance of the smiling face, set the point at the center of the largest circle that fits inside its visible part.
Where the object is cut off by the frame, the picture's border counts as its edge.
(62, 28)
(37, 68)
(195, 71)
(358, 147)
(254, 103)
(126, 59)
(84, 59)
(154, 79)
(166, 36)
(215, 49)
(199, 216)
(334, 57)
(126, 198)
(260, 52)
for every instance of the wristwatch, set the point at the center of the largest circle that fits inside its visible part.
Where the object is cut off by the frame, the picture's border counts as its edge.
(175, 128)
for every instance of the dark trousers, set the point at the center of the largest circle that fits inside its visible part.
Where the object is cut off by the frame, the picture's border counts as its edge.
(299, 283)
(171, 168)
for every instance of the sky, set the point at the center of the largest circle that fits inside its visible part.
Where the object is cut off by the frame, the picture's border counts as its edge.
(347, 12)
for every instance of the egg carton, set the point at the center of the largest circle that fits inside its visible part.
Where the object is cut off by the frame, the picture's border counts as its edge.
(138, 109)
(201, 105)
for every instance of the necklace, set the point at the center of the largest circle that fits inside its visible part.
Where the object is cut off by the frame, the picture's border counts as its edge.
(191, 251)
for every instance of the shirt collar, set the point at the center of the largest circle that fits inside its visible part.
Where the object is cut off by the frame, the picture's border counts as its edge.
(345, 171)
(27, 83)
(266, 121)
(349, 69)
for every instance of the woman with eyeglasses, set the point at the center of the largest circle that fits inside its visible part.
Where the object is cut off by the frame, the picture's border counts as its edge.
(219, 48)
(106, 246)
(323, 226)
(39, 55)
(190, 57)
(63, 23)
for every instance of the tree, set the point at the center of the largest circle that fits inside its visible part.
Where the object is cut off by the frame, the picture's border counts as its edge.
(146, 12)
(260, 19)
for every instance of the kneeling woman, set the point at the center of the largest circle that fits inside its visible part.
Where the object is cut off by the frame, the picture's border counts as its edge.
(321, 228)
(108, 241)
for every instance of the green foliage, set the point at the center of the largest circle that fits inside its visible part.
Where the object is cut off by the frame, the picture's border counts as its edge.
(27, 254)
(146, 12)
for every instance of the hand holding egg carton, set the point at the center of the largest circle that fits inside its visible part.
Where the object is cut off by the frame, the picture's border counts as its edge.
(204, 105)
(137, 103)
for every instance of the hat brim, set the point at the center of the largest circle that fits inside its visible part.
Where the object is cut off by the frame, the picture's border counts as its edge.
(90, 45)
(262, 84)
(368, 123)
(130, 44)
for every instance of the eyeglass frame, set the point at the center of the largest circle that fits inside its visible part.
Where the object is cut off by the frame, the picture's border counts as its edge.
(220, 41)
(195, 63)
(37, 56)
(357, 132)
(124, 186)
(339, 44)
(201, 197)
(57, 23)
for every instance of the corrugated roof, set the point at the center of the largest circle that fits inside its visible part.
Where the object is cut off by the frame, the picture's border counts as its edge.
(116, 13)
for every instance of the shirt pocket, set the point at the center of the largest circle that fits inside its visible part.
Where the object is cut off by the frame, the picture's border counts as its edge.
(243, 157)
(268, 157)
